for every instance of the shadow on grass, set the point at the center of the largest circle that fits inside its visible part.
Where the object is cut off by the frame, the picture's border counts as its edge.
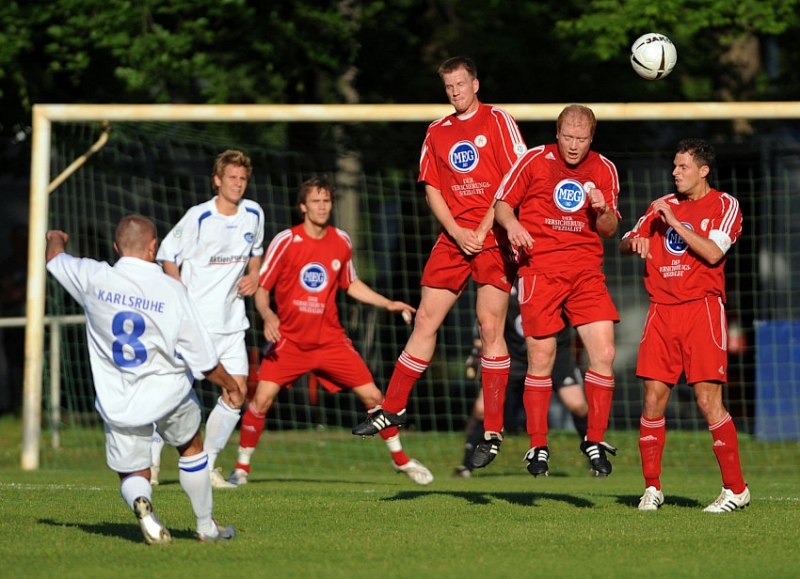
(274, 480)
(669, 500)
(485, 498)
(130, 532)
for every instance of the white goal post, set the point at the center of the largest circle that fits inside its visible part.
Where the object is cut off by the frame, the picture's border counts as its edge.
(44, 115)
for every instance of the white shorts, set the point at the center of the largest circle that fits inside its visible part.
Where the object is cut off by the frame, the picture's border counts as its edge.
(128, 449)
(232, 353)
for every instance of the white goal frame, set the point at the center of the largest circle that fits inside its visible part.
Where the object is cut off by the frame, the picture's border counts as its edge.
(44, 115)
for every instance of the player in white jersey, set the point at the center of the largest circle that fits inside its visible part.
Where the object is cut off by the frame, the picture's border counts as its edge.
(145, 342)
(216, 250)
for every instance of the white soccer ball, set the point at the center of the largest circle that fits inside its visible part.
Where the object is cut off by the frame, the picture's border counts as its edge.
(653, 56)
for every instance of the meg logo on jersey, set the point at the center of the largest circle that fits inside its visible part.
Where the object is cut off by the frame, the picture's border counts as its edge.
(314, 277)
(464, 157)
(674, 242)
(569, 195)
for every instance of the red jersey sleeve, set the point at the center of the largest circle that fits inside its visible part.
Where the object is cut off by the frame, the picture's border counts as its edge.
(270, 268)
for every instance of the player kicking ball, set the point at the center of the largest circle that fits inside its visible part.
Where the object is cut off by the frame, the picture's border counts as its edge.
(303, 269)
(145, 339)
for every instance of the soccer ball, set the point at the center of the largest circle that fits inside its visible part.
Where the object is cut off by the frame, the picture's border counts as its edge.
(653, 56)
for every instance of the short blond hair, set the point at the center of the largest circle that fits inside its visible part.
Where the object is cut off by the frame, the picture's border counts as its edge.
(232, 157)
(580, 111)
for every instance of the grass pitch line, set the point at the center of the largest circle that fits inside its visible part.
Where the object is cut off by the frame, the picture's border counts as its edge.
(50, 487)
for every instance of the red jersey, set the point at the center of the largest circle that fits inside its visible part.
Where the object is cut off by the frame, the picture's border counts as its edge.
(303, 275)
(554, 207)
(467, 158)
(675, 275)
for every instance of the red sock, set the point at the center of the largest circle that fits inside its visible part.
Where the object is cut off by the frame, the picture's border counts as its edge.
(494, 379)
(652, 437)
(536, 398)
(726, 447)
(599, 394)
(250, 432)
(407, 371)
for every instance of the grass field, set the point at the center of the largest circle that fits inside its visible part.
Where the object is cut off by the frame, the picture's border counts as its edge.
(353, 519)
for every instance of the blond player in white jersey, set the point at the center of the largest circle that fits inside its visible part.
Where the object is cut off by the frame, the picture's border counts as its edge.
(216, 251)
(145, 342)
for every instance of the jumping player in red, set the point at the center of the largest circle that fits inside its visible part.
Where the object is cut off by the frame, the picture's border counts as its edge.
(683, 239)
(566, 198)
(464, 157)
(303, 269)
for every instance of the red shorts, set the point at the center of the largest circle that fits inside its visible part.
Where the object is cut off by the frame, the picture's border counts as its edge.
(690, 338)
(450, 268)
(582, 296)
(337, 362)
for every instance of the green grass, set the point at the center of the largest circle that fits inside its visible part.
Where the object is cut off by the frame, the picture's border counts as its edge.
(354, 519)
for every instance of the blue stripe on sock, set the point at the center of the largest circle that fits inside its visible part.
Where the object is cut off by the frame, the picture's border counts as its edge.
(189, 465)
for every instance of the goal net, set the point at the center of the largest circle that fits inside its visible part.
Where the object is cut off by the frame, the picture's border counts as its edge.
(158, 164)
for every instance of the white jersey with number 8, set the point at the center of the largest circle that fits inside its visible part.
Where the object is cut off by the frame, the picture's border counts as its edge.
(145, 337)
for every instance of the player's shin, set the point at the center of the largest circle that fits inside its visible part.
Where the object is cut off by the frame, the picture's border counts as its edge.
(494, 381)
(195, 482)
(652, 438)
(536, 398)
(726, 449)
(599, 395)
(220, 425)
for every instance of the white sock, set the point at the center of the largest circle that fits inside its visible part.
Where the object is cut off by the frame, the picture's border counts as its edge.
(393, 443)
(193, 476)
(155, 449)
(133, 487)
(219, 427)
(245, 454)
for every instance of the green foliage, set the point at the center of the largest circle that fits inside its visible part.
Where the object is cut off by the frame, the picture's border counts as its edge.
(606, 27)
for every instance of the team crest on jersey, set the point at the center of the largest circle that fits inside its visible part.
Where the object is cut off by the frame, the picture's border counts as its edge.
(569, 195)
(674, 243)
(314, 277)
(464, 157)
(249, 237)
(519, 149)
(480, 141)
(177, 232)
(704, 225)
(336, 265)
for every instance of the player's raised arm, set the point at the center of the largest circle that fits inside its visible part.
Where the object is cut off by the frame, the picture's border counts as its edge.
(56, 243)
(607, 219)
(704, 247)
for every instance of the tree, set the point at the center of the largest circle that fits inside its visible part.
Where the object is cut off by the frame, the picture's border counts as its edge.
(720, 43)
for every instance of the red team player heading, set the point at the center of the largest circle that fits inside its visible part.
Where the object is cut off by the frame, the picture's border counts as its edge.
(464, 157)
(467, 160)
